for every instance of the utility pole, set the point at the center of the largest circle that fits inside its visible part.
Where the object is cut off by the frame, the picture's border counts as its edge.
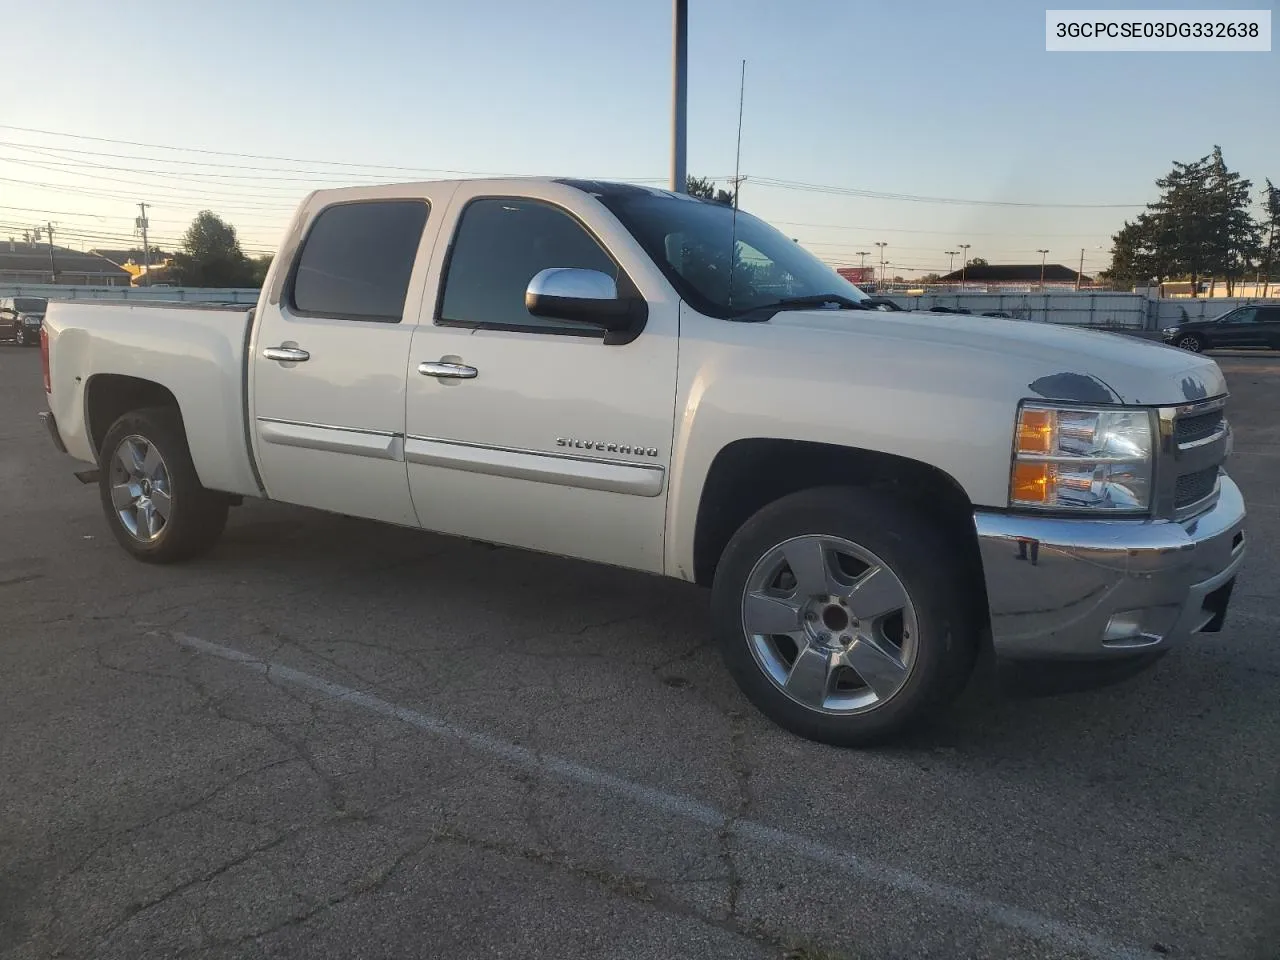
(53, 264)
(881, 245)
(1043, 254)
(964, 262)
(142, 225)
(951, 264)
(679, 98)
(862, 264)
(1080, 272)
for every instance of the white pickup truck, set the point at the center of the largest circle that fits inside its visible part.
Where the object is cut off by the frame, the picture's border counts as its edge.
(639, 378)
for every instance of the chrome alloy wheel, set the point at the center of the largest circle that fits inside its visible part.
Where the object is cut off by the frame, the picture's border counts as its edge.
(140, 488)
(1190, 343)
(830, 624)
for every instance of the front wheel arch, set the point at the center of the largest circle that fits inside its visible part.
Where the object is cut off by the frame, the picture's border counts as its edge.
(749, 474)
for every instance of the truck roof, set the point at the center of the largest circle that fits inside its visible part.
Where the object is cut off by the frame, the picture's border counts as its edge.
(609, 188)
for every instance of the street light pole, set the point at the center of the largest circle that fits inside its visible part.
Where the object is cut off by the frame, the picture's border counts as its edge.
(680, 97)
(964, 262)
(1043, 254)
(951, 264)
(1080, 272)
(881, 245)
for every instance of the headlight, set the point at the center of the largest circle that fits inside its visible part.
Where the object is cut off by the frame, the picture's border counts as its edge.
(1171, 331)
(1075, 458)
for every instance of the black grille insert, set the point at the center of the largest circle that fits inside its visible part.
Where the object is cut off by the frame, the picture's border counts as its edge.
(1194, 487)
(1197, 426)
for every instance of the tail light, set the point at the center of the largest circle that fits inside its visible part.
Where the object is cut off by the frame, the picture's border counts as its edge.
(44, 358)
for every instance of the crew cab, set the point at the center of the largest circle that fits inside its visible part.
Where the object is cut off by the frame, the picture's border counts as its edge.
(639, 378)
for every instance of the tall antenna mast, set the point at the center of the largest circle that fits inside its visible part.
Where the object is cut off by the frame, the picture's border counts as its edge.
(737, 183)
(737, 157)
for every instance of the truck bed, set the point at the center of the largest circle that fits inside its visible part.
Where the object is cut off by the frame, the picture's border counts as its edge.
(196, 351)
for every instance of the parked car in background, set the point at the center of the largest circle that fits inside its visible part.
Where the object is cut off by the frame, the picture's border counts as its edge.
(21, 319)
(1251, 326)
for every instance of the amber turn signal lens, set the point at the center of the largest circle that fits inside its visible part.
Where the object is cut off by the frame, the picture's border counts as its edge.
(1032, 482)
(1035, 431)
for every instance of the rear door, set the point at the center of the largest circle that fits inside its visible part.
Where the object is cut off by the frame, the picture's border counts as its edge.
(559, 441)
(1269, 326)
(1236, 329)
(330, 349)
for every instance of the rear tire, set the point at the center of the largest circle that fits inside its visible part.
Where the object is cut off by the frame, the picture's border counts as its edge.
(883, 636)
(1191, 342)
(152, 497)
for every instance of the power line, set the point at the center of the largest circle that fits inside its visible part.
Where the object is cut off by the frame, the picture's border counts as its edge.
(102, 194)
(970, 233)
(233, 197)
(913, 198)
(278, 159)
(768, 181)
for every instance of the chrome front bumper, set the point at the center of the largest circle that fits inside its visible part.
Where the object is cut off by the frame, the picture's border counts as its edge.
(1095, 589)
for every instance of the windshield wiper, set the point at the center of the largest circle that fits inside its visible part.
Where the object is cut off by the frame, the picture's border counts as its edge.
(764, 311)
(817, 300)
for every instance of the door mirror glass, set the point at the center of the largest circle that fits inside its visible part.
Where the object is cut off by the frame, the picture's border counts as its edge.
(587, 296)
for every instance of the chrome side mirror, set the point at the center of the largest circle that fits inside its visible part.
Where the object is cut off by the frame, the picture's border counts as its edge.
(587, 296)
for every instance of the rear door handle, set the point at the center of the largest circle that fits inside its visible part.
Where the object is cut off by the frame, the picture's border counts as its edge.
(286, 354)
(452, 371)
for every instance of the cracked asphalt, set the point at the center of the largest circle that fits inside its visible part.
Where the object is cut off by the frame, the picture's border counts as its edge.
(331, 738)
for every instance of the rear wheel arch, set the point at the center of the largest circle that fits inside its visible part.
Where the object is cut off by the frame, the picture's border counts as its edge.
(109, 396)
(749, 474)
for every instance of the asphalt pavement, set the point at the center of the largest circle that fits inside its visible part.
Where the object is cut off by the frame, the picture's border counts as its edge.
(331, 738)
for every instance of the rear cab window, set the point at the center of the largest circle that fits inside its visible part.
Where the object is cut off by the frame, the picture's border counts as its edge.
(357, 259)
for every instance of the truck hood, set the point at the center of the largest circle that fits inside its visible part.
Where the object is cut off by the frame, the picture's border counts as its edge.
(1057, 361)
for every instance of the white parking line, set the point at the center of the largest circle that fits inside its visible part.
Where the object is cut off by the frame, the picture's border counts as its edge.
(1016, 918)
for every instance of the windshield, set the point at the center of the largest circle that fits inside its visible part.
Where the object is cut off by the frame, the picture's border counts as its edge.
(690, 240)
(30, 304)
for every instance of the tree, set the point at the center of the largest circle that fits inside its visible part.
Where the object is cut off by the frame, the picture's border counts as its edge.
(1139, 254)
(706, 189)
(977, 262)
(931, 278)
(211, 255)
(1234, 238)
(258, 269)
(1199, 228)
(1271, 208)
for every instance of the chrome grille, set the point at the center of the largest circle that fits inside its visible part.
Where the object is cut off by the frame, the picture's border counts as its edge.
(1197, 426)
(1193, 487)
(1195, 440)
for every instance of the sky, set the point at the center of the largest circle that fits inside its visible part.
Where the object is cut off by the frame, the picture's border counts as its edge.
(920, 98)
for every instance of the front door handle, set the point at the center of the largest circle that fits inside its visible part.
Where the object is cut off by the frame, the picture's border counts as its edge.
(286, 354)
(453, 371)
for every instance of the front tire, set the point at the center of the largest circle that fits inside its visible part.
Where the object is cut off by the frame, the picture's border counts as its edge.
(1191, 342)
(840, 614)
(20, 336)
(153, 499)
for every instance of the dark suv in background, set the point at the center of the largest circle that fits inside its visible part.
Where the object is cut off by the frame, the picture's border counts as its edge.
(1257, 325)
(21, 319)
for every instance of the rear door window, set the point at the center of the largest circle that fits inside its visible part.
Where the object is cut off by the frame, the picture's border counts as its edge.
(357, 260)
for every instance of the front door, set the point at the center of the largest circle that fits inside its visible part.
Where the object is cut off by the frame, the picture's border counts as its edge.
(329, 357)
(557, 441)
